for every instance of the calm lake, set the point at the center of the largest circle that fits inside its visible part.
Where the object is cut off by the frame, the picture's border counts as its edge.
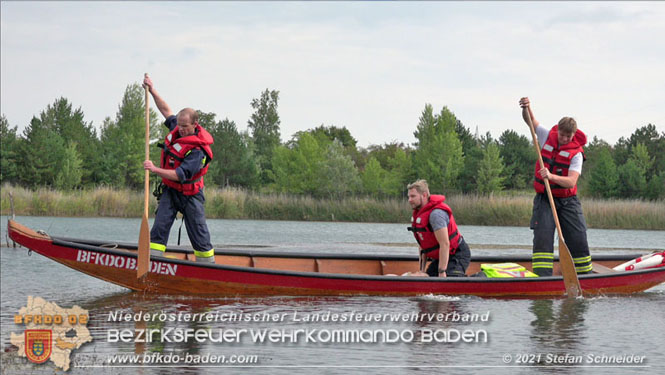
(600, 335)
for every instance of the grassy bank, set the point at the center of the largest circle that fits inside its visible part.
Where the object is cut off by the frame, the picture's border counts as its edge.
(240, 204)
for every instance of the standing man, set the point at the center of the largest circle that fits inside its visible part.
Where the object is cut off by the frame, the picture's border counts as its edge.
(561, 149)
(434, 227)
(186, 155)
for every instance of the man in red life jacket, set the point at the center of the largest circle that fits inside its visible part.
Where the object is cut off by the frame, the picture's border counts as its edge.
(563, 155)
(184, 161)
(435, 230)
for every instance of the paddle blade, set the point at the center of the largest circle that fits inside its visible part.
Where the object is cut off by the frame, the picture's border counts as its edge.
(570, 280)
(144, 249)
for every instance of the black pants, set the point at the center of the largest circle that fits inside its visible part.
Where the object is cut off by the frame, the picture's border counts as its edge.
(573, 227)
(457, 263)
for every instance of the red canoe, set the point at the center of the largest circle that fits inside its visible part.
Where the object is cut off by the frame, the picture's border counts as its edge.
(251, 272)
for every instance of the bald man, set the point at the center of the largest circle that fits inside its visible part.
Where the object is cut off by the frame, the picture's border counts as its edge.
(186, 154)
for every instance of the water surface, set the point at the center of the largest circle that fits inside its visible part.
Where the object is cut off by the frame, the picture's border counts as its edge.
(555, 330)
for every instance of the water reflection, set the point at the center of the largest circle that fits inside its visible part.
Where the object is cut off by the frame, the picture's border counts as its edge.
(446, 318)
(559, 330)
(433, 308)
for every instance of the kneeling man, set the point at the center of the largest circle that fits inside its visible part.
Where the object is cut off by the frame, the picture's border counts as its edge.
(434, 227)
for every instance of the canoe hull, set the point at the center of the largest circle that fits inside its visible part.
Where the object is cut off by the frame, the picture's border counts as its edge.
(182, 276)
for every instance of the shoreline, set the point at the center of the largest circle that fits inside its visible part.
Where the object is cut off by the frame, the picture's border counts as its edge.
(510, 209)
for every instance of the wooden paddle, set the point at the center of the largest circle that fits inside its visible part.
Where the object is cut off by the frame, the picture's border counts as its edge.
(144, 234)
(570, 280)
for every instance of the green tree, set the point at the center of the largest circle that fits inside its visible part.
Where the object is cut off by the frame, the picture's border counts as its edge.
(70, 169)
(603, 177)
(387, 151)
(264, 125)
(632, 183)
(233, 162)
(472, 157)
(396, 159)
(328, 134)
(438, 157)
(332, 133)
(40, 154)
(400, 172)
(656, 187)
(296, 166)
(641, 156)
(374, 178)
(592, 153)
(519, 157)
(632, 175)
(465, 136)
(648, 136)
(69, 123)
(123, 141)
(9, 152)
(490, 168)
(338, 174)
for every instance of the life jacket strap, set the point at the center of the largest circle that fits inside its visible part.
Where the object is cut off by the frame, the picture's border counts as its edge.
(414, 229)
(552, 185)
(425, 251)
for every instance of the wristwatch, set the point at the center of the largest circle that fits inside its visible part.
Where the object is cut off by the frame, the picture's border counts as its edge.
(442, 271)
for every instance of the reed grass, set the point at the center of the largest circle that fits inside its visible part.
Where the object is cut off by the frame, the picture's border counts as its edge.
(509, 209)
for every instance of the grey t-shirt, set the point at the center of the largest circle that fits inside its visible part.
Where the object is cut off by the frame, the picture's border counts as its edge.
(439, 219)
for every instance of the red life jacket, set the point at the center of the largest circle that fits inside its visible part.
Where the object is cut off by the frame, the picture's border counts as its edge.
(422, 230)
(174, 151)
(557, 160)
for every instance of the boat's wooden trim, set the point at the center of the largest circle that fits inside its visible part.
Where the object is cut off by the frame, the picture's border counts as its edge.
(28, 232)
(330, 264)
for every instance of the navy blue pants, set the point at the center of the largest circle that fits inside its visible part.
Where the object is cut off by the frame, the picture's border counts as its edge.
(457, 263)
(573, 227)
(170, 203)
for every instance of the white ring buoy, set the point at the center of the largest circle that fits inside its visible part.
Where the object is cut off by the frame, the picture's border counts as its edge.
(648, 261)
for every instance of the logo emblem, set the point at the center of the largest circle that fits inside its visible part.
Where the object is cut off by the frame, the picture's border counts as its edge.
(38, 345)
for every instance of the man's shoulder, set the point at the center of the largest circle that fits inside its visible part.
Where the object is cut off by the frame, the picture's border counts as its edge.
(195, 153)
(543, 131)
(171, 122)
(438, 212)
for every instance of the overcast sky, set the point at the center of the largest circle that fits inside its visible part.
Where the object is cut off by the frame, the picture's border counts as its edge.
(369, 66)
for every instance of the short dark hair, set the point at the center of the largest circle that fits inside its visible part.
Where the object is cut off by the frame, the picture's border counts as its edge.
(568, 125)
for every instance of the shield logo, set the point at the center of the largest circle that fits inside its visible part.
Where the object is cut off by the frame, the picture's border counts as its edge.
(38, 344)
(38, 348)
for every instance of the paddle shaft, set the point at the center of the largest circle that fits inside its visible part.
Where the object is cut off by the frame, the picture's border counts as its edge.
(146, 185)
(144, 234)
(572, 283)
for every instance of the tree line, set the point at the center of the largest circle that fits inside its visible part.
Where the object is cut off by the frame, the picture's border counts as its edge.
(61, 150)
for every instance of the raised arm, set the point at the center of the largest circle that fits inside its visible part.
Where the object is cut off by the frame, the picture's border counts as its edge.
(524, 103)
(159, 102)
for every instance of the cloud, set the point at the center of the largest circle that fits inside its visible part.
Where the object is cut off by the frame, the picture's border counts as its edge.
(368, 66)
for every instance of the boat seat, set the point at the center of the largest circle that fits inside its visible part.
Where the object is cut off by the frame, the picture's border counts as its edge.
(398, 267)
(599, 268)
(285, 264)
(349, 266)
